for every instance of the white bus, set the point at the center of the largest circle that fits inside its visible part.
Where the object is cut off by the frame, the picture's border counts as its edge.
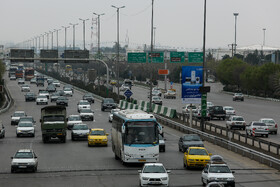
(135, 136)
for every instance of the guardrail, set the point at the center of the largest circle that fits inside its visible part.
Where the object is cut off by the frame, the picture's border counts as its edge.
(242, 150)
(9, 100)
(265, 145)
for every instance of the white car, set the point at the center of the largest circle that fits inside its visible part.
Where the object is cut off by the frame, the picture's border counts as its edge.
(256, 128)
(229, 110)
(170, 94)
(153, 174)
(72, 120)
(111, 114)
(236, 122)
(83, 104)
(271, 124)
(56, 83)
(25, 88)
(79, 131)
(25, 128)
(217, 172)
(42, 99)
(209, 104)
(24, 159)
(16, 117)
(68, 92)
(44, 93)
(187, 109)
(124, 87)
(86, 114)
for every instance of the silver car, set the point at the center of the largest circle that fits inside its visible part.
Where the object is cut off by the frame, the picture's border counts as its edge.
(236, 122)
(256, 128)
(80, 131)
(271, 124)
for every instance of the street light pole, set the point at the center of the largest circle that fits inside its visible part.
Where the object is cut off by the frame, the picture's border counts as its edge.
(65, 36)
(56, 30)
(235, 15)
(98, 43)
(118, 50)
(52, 38)
(84, 33)
(264, 36)
(151, 69)
(43, 41)
(47, 39)
(74, 24)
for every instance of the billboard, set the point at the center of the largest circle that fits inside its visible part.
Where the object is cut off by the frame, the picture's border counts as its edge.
(191, 81)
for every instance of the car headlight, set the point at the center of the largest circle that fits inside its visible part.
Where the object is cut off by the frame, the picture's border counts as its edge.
(212, 178)
(31, 163)
(145, 178)
(230, 179)
(164, 178)
(14, 163)
(18, 131)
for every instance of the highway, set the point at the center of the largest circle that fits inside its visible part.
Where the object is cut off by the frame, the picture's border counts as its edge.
(251, 109)
(76, 164)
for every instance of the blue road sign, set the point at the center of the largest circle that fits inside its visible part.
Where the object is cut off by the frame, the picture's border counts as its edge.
(128, 93)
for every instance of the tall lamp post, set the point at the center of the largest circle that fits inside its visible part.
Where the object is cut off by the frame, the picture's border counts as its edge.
(52, 38)
(73, 24)
(98, 42)
(151, 69)
(65, 28)
(118, 49)
(56, 30)
(84, 32)
(264, 36)
(47, 39)
(235, 15)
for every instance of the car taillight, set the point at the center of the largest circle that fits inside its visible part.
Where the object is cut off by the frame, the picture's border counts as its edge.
(275, 125)
(266, 129)
(244, 123)
(254, 129)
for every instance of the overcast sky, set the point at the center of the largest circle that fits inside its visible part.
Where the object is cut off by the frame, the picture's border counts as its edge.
(179, 23)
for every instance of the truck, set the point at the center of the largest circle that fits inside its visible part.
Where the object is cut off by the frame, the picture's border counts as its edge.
(40, 81)
(19, 73)
(28, 73)
(12, 70)
(53, 123)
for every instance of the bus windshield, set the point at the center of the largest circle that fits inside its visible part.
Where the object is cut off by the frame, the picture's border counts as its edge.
(141, 132)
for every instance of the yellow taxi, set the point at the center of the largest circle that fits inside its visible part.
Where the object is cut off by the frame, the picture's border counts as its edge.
(97, 137)
(113, 82)
(196, 157)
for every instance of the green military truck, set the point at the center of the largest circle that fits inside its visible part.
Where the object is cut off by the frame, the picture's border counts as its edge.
(53, 123)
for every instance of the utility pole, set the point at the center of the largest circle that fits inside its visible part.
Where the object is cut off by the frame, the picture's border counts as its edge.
(84, 32)
(235, 15)
(65, 36)
(118, 50)
(98, 42)
(151, 69)
(73, 34)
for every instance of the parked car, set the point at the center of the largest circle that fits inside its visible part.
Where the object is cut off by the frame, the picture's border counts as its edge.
(218, 172)
(30, 96)
(229, 110)
(25, 128)
(2, 130)
(80, 131)
(62, 100)
(97, 137)
(89, 97)
(72, 120)
(161, 143)
(238, 96)
(24, 159)
(83, 104)
(157, 100)
(86, 114)
(42, 99)
(256, 128)
(25, 88)
(153, 174)
(236, 122)
(111, 114)
(16, 116)
(170, 94)
(271, 124)
(189, 140)
(217, 112)
(196, 157)
(108, 103)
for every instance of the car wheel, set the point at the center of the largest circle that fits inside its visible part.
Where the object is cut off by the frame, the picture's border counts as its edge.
(88, 145)
(266, 135)
(184, 165)
(275, 132)
(12, 170)
(203, 183)
(36, 103)
(102, 109)
(163, 149)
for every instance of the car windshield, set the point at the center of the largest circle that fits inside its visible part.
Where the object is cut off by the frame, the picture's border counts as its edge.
(67, 89)
(26, 119)
(191, 138)
(55, 94)
(237, 119)
(86, 111)
(108, 101)
(62, 98)
(30, 94)
(268, 121)
(156, 98)
(259, 124)
(41, 96)
(74, 118)
(43, 91)
(197, 152)
(154, 169)
(219, 169)
(228, 108)
(53, 118)
(84, 103)
(18, 114)
(23, 155)
(80, 127)
(25, 125)
(97, 133)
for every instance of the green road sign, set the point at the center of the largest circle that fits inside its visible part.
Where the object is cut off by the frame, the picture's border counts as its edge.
(203, 105)
(177, 57)
(136, 57)
(157, 57)
(195, 57)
